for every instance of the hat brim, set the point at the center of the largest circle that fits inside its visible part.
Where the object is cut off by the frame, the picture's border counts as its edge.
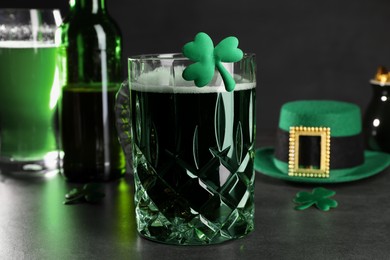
(374, 163)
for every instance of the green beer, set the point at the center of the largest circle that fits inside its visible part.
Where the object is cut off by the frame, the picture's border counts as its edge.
(192, 150)
(193, 163)
(29, 91)
(91, 45)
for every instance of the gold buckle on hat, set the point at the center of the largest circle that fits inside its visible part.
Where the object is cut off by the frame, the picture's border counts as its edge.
(293, 162)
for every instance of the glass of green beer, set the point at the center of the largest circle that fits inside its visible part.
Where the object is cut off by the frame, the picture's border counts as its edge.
(191, 150)
(29, 90)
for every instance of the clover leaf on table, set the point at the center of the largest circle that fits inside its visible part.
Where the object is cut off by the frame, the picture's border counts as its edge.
(207, 58)
(318, 197)
(90, 193)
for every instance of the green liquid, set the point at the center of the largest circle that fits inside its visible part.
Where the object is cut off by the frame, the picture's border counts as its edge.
(193, 165)
(27, 102)
(89, 138)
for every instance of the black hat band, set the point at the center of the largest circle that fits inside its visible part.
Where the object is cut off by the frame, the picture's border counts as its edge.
(345, 151)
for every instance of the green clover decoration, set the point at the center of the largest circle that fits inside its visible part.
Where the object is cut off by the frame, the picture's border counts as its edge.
(89, 193)
(207, 58)
(319, 197)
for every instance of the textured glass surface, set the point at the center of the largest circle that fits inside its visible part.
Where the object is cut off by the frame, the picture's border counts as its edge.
(193, 165)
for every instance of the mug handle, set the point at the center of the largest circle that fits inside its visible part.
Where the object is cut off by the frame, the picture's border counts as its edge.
(123, 124)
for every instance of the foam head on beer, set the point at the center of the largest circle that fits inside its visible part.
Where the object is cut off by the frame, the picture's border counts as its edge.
(169, 80)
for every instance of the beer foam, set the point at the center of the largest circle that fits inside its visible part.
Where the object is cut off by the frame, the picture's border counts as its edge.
(161, 81)
(26, 44)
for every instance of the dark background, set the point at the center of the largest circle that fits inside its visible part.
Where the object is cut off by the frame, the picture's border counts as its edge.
(306, 49)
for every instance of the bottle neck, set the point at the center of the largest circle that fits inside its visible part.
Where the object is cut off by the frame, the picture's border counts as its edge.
(88, 6)
(380, 90)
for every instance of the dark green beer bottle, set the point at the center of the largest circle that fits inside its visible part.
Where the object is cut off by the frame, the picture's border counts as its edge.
(91, 75)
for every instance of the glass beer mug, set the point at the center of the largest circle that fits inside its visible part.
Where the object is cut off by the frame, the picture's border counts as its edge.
(29, 91)
(191, 150)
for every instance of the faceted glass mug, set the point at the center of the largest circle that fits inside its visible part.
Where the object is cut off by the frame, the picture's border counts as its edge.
(29, 90)
(191, 150)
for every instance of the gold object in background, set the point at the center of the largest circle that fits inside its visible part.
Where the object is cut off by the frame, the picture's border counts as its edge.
(382, 75)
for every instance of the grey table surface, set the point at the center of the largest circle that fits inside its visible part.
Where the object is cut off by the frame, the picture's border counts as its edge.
(34, 224)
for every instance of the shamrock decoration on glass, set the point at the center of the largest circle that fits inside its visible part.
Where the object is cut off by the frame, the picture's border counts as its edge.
(207, 58)
(319, 197)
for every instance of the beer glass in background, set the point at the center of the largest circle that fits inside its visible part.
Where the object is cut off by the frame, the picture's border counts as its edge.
(29, 90)
(192, 150)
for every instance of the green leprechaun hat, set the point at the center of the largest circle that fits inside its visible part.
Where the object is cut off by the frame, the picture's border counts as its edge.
(320, 142)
